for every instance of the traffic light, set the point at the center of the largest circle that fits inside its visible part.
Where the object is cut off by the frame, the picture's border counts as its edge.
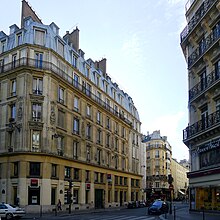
(69, 197)
(170, 179)
(70, 184)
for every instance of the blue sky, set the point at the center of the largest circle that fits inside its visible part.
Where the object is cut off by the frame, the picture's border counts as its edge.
(140, 40)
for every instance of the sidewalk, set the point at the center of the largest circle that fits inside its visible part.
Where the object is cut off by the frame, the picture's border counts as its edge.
(66, 213)
(184, 214)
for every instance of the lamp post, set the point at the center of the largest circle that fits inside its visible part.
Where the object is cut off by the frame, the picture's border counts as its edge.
(69, 194)
(170, 181)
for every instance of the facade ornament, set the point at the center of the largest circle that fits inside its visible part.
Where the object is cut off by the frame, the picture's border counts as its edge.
(52, 115)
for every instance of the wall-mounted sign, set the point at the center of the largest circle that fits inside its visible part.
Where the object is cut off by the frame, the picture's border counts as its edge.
(34, 182)
(88, 186)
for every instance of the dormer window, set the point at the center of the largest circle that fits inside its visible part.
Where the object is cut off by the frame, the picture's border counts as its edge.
(39, 37)
(3, 46)
(19, 39)
(74, 61)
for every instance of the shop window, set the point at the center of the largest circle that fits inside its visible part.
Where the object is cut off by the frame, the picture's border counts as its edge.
(75, 196)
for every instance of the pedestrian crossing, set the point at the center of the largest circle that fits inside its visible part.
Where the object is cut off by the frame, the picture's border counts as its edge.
(111, 217)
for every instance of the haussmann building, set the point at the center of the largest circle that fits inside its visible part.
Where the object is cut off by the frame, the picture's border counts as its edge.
(200, 45)
(67, 131)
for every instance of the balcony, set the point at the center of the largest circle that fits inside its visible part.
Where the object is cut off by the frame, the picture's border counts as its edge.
(200, 13)
(209, 41)
(210, 80)
(31, 63)
(201, 126)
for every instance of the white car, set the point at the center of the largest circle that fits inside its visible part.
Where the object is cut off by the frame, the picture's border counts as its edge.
(10, 211)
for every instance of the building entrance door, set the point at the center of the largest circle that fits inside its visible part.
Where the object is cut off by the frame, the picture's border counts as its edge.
(99, 198)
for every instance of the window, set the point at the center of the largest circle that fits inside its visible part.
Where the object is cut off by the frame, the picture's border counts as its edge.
(60, 145)
(204, 117)
(203, 80)
(76, 174)
(75, 149)
(14, 59)
(116, 144)
(99, 156)
(39, 37)
(3, 46)
(116, 127)
(38, 60)
(34, 169)
(87, 72)
(2, 66)
(123, 132)
(13, 87)
(15, 165)
(37, 86)
(157, 184)
(125, 181)
(87, 175)
(36, 141)
(88, 89)
(217, 69)
(108, 104)
(88, 152)
(76, 126)
(12, 111)
(96, 177)
(217, 104)
(107, 122)
(76, 103)
(54, 170)
(101, 177)
(108, 140)
(61, 118)
(60, 48)
(88, 111)
(61, 95)
(98, 97)
(116, 162)
(99, 117)
(36, 111)
(74, 61)
(76, 80)
(99, 136)
(123, 147)
(88, 131)
(67, 172)
(75, 196)
(157, 154)
(123, 163)
(19, 39)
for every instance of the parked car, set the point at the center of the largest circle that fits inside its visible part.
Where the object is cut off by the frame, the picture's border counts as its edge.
(158, 207)
(10, 211)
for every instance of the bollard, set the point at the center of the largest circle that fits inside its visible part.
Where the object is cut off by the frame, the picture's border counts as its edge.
(203, 213)
(174, 212)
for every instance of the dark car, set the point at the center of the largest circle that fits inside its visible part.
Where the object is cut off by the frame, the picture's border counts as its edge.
(158, 207)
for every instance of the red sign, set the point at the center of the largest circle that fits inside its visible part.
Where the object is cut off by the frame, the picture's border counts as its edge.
(88, 186)
(34, 182)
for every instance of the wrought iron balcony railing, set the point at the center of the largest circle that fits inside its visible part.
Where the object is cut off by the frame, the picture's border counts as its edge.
(209, 41)
(213, 77)
(202, 10)
(202, 125)
(26, 62)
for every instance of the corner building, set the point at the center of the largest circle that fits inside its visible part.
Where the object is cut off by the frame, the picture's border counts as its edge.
(65, 127)
(158, 166)
(200, 45)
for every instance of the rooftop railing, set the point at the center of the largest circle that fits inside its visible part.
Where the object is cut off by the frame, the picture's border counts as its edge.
(43, 65)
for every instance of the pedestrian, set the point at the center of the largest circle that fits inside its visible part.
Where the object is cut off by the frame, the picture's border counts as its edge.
(59, 205)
